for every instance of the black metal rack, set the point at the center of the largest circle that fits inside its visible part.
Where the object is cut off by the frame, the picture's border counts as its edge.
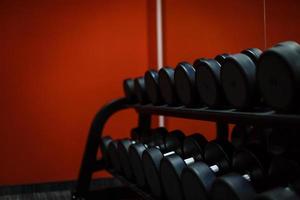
(222, 117)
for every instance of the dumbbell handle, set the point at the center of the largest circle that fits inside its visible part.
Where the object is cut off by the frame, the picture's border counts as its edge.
(214, 168)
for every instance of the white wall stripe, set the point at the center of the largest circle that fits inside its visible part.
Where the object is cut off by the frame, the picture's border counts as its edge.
(159, 39)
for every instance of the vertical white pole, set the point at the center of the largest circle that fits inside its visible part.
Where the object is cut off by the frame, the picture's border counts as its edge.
(159, 36)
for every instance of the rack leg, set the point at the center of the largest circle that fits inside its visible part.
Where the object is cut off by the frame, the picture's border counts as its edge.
(89, 160)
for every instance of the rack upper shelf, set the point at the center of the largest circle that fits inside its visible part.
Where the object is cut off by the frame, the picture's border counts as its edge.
(224, 115)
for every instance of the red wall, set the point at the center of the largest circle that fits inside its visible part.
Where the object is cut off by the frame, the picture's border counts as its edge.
(60, 61)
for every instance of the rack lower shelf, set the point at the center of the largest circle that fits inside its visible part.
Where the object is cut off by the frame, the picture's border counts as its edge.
(225, 115)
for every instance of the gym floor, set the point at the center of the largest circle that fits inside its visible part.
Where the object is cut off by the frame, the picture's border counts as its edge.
(62, 190)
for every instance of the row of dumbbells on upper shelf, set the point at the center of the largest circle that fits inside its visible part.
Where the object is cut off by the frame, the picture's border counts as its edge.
(247, 80)
(259, 163)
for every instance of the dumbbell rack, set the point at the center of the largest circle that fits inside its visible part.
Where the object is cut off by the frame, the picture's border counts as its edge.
(90, 164)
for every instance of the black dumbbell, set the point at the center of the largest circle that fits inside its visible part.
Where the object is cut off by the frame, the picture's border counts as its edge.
(250, 174)
(185, 84)
(128, 88)
(278, 76)
(198, 177)
(284, 171)
(104, 143)
(153, 157)
(156, 138)
(140, 90)
(243, 134)
(290, 192)
(167, 86)
(152, 87)
(170, 142)
(238, 78)
(113, 153)
(208, 80)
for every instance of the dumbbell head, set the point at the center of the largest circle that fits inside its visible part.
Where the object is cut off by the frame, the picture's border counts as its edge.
(136, 151)
(152, 158)
(167, 85)
(104, 143)
(156, 137)
(278, 76)
(140, 90)
(208, 81)
(128, 88)
(198, 178)
(185, 84)
(152, 88)
(279, 193)
(238, 77)
(171, 167)
(250, 175)
(114, 156)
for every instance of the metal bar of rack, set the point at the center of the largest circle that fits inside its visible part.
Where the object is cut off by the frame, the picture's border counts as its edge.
(222, 117)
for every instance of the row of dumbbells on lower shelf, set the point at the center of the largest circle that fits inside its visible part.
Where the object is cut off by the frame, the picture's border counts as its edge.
(258, 163)
(248, 80)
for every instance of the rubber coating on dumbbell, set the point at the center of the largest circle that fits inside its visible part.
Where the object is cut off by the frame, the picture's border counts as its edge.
(208, 81)
(135, 155)
(104, 143)
(128, 87)
(140, 90)
(235, 188)
(238, 80)
(278, 76)
(167, 85)
(151, 162)
(114, 156)
(152, 88)
(185, 84)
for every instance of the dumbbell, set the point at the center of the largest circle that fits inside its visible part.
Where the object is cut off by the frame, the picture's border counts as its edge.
(153, 157)
(284, 171)
(245, 134)
(185, 84)
(198, 177)
(278, 76)
(104, 143)
(140, 90)
(167, 86)
(238, 78)
(171, 141)
(152, 88)
(250, 174)
(113, 153)
(208, 80)
(128, 88)
(290, 192)
(156, 138)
